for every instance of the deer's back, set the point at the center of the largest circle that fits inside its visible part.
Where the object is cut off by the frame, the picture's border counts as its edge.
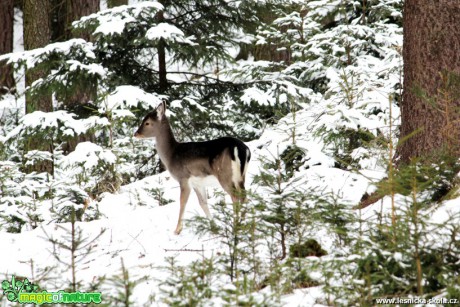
(200, 159)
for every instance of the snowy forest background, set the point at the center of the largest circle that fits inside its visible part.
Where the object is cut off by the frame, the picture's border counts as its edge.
(314, 89)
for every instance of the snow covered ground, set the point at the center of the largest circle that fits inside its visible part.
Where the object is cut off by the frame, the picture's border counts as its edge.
(140, 232)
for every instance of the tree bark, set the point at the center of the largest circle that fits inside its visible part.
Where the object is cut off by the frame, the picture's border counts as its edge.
(161, 47)
(430, 108)
(84, 90)
(114, 3)
(58, 20)
(75, 9)
(163, 81)
(37, 33)
(65, 12)
(7, 83)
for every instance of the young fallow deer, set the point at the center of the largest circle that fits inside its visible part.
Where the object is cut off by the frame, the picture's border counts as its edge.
(197, 165)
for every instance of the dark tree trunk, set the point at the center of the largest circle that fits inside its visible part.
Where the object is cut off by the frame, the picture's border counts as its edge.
(84, 90)
(7, 83)
(37, 34)
(58, 20)
(430, 109)
(114, 3)
(163, 81)
(75, 9)
(64, 12)
(19, 4)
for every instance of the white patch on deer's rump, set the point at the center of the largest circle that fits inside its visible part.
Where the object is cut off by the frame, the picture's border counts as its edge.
(236, 166)
(248, 153)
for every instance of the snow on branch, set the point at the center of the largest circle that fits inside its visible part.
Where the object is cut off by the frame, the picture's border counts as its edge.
(88, 155)
(33, 57)
(169, 33)
(115, 20)
(61, 122)
(129, 96)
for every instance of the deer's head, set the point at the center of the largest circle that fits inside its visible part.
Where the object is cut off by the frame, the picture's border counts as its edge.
(151, 125)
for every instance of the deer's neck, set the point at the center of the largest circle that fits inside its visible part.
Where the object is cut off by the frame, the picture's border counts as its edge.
(166, 143)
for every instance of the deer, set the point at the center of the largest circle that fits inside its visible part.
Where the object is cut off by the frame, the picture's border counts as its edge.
(197, 165)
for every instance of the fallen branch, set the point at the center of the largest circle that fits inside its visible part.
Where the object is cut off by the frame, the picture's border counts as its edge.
(184, 250)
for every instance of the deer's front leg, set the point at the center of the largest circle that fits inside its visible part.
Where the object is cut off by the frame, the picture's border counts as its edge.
(184, 194)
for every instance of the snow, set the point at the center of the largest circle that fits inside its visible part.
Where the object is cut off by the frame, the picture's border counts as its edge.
(115, 20)
(129, 96)
(59, 121)
(140, 232)
(169, 33)
(92, 68)
(254, 94)
(31, 58)
(304, 297)
(88, 154)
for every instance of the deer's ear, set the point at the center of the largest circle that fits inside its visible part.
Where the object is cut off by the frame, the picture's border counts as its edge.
(161, 110)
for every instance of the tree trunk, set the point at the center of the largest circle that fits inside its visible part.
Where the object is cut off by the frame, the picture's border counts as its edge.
(161, 47)
(64, 12)
(75, 9)
(84, 90)
(163, 81)
(430, 109)
(58, 20)
(114, 3)
(7, 83)
(37, 34)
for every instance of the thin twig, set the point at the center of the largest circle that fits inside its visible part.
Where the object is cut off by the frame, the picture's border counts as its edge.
(184, 250)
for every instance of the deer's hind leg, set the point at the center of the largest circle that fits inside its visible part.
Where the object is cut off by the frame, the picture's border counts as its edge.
(230, 177)
(203, 200)
(236, 190)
